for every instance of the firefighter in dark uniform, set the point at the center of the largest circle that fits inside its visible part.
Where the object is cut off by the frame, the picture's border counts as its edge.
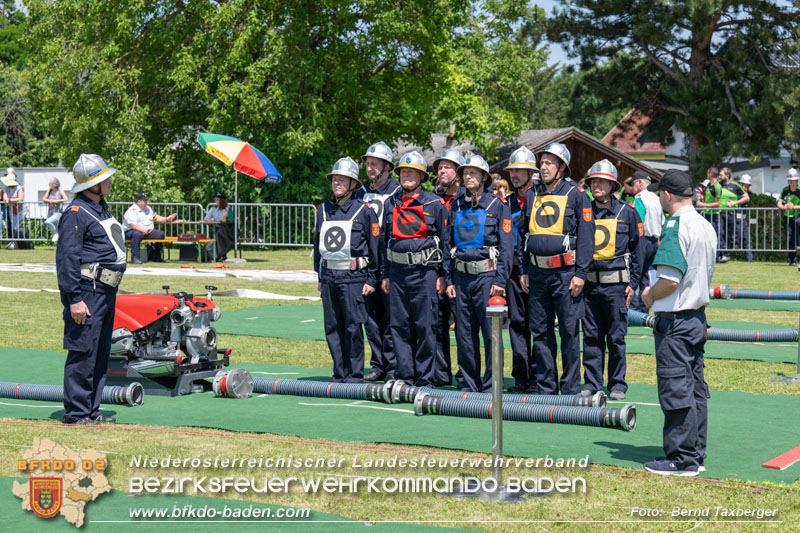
(378, 165)
(477, 267)
(412, 248)
(449, 189)
(521, 169)
(90, 262)
(346, 261)
(613, 275)
(557, 235)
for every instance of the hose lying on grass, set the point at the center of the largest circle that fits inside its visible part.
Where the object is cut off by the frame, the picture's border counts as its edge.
(637, 318)
(132, 394)
(623, 418)
(406, 393)
(724, 292)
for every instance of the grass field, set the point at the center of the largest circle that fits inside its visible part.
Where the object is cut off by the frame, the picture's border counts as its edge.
(33, 320)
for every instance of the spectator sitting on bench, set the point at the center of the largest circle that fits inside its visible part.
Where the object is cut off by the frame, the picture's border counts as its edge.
(138, 224)
(223, 232)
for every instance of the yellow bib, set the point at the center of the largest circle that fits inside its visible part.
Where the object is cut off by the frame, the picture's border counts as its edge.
(605, 238)
(547, 215)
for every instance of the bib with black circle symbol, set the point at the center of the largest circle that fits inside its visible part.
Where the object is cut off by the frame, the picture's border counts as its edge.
(334, 237)
(115, 235)
(515, 223)
(376, 202)
(547, 215)
(409, 223)
(469, 228)
(605, 238)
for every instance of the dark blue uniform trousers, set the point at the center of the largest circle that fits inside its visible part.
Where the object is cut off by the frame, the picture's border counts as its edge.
(88, 347)
(411, 299)
(650, 249)
(472, 297)
(682, 391)
(379, 335)
(344, 313)
(550, 298)
(605, 325)
(442, 373)
(519, 332)
(793, 232)
(136, 241)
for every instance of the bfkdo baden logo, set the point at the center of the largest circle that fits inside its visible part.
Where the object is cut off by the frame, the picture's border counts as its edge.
(46, 495)
(61, 481)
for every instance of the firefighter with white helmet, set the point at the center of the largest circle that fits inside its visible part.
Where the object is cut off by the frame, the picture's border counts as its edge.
(557, 236)
(90, 262)
(412, 250)
(346, 246)
(521, 169)
(789, 203)
(610, 284)
(478, 266)
(378, 164)
(743, 220)
(449, 189)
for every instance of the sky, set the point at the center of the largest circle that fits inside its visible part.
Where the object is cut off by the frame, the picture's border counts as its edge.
(557, 54)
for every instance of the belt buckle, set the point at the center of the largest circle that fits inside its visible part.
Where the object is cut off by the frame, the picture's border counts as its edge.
(553, 262)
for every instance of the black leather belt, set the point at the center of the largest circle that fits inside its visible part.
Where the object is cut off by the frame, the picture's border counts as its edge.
(677, 314)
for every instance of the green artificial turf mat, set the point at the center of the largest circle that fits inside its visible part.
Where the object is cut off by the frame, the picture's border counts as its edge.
(305, 322)
(757, 305)
(737, 421)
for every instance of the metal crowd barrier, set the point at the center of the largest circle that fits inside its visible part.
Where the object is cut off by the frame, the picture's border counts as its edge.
(753, 229)
(259, 224)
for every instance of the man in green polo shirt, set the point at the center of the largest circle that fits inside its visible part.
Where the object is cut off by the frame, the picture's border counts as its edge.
(710, 206)
(732, 195)
(685, 265)
(789, 203)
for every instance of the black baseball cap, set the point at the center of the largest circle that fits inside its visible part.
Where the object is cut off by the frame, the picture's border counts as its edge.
(220, 195)
(142, 196)
(677, 182)
(641, 175)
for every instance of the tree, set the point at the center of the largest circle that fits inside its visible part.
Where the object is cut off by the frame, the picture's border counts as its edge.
(709, 68)
(304, 81)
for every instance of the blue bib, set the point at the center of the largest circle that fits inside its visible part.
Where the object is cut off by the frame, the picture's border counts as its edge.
(470, 227)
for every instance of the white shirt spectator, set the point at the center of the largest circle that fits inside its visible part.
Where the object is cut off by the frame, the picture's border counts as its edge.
(653, 213)
(141, 217)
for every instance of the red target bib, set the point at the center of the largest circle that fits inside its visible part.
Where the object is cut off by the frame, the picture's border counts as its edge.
(409, 223)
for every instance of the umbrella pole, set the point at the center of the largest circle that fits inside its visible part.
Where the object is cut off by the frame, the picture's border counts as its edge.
(236, 215)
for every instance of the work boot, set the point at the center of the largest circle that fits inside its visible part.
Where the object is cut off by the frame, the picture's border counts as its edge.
(79, 421)
(102, 419)
(373, 375)
(136, 261)
(617, 395)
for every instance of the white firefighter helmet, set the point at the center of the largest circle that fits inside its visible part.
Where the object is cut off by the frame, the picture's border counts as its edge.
(792, 174)
(604, 170)
(380, 150)
(474, 161)
(413, 160)
(745, 179)
(89, 170)
(522, 157)
(451, 154)
(345, 167)
(559, 150)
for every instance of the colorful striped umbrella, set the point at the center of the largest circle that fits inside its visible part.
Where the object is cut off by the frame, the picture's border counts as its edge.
(245, 158)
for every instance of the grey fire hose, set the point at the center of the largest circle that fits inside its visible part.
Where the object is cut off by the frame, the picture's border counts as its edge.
(724, 292)
(402, 393)
(132, 394)
(637, 318)
(619, 418)
(319, 389)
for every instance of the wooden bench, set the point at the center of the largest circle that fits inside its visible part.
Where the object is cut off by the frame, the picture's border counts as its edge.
(166, 241)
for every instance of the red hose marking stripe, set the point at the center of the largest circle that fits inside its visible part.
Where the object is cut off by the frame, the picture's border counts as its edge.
(717, 292)
(223, 385)
(328, 390)
(16, 391)
(490, 409)
(784, 461)
(769, 296)
(464, 397)
(735, 292)
(551, 413)
(756, 335)
(116, 372)
(275, 386)
(525, 398)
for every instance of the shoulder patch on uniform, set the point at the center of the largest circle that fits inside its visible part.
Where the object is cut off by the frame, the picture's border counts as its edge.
(441, 201)
(507, 225)
(641, 229)
(74, 208)
(376, 229)
(581, 188)
(670, 223)
(587, 214)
